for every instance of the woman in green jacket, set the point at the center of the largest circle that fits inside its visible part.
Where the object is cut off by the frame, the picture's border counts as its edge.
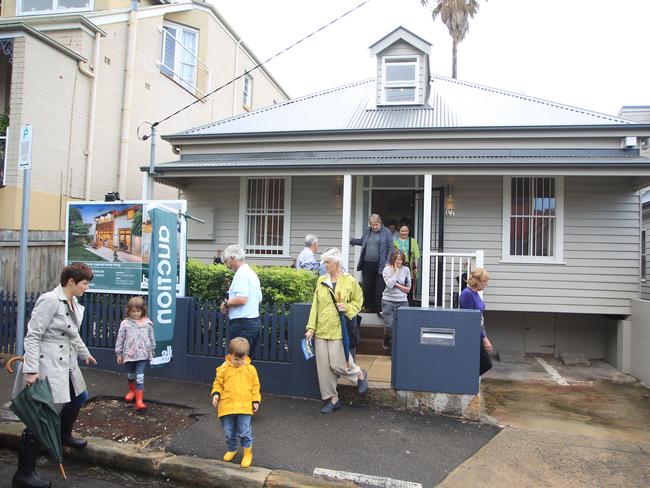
(325, 325)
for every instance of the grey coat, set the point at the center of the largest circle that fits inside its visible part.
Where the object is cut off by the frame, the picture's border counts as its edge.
(386, 247)
(53, 344)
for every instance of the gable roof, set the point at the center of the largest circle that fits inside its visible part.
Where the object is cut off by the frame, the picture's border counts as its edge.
(454, 104)
(400, 33)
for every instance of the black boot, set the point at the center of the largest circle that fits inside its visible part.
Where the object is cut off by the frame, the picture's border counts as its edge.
(26, 476)
(68, 418)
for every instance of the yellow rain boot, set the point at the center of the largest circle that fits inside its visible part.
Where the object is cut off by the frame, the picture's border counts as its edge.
(229, 456)
(248, 457)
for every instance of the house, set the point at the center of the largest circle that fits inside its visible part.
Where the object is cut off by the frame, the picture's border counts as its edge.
(543, 194)
(86, 74)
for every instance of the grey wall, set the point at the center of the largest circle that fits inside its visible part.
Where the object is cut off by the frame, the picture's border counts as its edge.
(550, 333)
(645, 225)
(640, 359)
(600, 273)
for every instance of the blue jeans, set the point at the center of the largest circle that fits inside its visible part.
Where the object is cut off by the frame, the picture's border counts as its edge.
(249, 329)
(135, 371)
(237, 426)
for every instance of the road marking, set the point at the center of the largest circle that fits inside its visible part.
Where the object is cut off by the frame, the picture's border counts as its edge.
(365, 479)
(552, 372)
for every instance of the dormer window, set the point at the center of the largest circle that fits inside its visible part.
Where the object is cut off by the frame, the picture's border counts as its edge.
(400, 76)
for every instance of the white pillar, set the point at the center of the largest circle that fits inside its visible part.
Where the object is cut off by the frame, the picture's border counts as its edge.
(345, 225)
(426, 239)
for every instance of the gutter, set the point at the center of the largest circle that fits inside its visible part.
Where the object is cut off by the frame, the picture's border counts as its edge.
(627, 128)
(28, 29)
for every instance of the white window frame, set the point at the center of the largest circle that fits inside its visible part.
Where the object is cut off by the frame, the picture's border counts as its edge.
(176, 69)
(243, 205)
(409, 58)
(55, 3)
(247, 95)
(558, 258)
(644, 272)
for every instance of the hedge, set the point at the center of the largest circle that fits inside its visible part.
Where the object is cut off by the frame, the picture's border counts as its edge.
(280, 285)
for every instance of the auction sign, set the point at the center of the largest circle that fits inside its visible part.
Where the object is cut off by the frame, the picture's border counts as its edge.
(115, 240)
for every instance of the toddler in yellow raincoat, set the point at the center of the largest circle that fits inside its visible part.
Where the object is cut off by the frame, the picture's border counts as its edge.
(236, 395)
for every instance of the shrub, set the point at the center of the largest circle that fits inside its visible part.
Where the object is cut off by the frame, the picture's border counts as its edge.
(280, 285)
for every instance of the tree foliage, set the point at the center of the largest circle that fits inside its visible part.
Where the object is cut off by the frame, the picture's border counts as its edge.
(455, 14)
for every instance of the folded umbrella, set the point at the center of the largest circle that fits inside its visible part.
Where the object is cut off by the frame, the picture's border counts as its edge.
(344, 332)
(34, 406)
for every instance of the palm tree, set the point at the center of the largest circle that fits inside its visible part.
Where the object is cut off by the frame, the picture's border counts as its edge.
(455, 15)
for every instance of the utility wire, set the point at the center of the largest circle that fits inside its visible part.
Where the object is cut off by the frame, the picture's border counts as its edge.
(261, 64)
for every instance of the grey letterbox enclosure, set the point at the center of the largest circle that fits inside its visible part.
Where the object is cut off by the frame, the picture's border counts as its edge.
(436, 350)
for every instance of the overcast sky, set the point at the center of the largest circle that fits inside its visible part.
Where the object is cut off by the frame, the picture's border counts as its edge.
(592, 54)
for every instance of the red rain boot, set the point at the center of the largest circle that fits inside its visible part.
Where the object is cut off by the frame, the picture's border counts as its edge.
(131, 394)
(139, 404)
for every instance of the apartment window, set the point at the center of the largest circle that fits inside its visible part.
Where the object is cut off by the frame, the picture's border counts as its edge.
(533, 213)
(265, 218)
(180, 54)
(26, 7)
(247, 98)
(400, 80)
(643, 255)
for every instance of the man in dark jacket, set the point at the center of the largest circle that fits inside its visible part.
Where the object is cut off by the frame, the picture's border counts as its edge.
(376, 248)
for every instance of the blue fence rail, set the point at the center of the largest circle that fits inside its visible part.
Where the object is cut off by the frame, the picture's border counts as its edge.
(199, 343)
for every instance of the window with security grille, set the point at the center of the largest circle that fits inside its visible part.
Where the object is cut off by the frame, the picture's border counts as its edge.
(266, 216)
(533, 208)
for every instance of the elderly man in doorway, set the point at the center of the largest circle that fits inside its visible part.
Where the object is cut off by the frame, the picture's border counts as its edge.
(306, 258)
(376, 248)
(243, 301)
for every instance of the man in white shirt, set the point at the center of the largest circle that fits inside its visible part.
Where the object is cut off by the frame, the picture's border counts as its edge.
(244, 297)
(306, 258)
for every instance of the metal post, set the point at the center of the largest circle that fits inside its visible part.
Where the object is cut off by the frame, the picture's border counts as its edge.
(345, 224)
(426, 240)
(152, 164)
(22, 262)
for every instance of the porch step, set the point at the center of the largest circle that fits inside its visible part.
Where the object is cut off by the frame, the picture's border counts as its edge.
(511, 356)
(372, 338)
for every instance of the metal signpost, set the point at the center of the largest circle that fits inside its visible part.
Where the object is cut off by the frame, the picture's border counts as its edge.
(25, 164)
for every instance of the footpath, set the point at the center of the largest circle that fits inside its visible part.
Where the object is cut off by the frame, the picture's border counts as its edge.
(599, 437)
(292, 440)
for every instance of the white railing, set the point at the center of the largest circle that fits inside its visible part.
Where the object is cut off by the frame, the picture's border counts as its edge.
(447, 270)
(3, 160)
(188, 81)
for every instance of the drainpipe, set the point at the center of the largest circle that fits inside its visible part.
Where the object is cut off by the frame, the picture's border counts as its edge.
(91, 115)
(127, 98)
(234, 75)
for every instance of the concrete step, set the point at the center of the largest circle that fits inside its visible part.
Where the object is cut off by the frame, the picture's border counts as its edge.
(574, 359)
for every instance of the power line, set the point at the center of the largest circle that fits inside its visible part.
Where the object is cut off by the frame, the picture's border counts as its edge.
(261, 64)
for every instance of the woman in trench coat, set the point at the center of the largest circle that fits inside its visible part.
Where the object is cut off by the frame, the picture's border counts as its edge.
(52, 348)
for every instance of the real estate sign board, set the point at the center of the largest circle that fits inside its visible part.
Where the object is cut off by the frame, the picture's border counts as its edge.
(114, 239)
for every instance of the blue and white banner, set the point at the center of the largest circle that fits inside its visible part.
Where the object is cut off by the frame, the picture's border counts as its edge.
(162, 282)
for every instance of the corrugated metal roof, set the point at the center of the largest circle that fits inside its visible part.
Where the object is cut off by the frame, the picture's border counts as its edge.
(454, 104)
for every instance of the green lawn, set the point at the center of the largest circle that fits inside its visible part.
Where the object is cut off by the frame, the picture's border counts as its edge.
(77, 252)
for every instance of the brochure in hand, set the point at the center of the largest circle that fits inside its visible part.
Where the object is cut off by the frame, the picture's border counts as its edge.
(307, 348)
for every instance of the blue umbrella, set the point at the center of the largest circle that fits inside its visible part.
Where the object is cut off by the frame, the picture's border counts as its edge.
(346, 337)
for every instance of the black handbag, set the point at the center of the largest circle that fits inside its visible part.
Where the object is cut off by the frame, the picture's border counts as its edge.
(352, 325)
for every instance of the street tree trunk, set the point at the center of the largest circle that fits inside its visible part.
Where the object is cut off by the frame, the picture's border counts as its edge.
(454, 58)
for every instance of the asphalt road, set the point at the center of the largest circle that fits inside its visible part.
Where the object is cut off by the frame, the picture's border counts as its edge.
(292, 434)
(80, 475)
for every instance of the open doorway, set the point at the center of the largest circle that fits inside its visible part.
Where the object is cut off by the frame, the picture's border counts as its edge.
(394, 205)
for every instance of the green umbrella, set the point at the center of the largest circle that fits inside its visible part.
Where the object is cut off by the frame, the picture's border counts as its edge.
(35, 407)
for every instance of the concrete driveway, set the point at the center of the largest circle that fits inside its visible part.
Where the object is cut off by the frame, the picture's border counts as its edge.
(564, 427)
